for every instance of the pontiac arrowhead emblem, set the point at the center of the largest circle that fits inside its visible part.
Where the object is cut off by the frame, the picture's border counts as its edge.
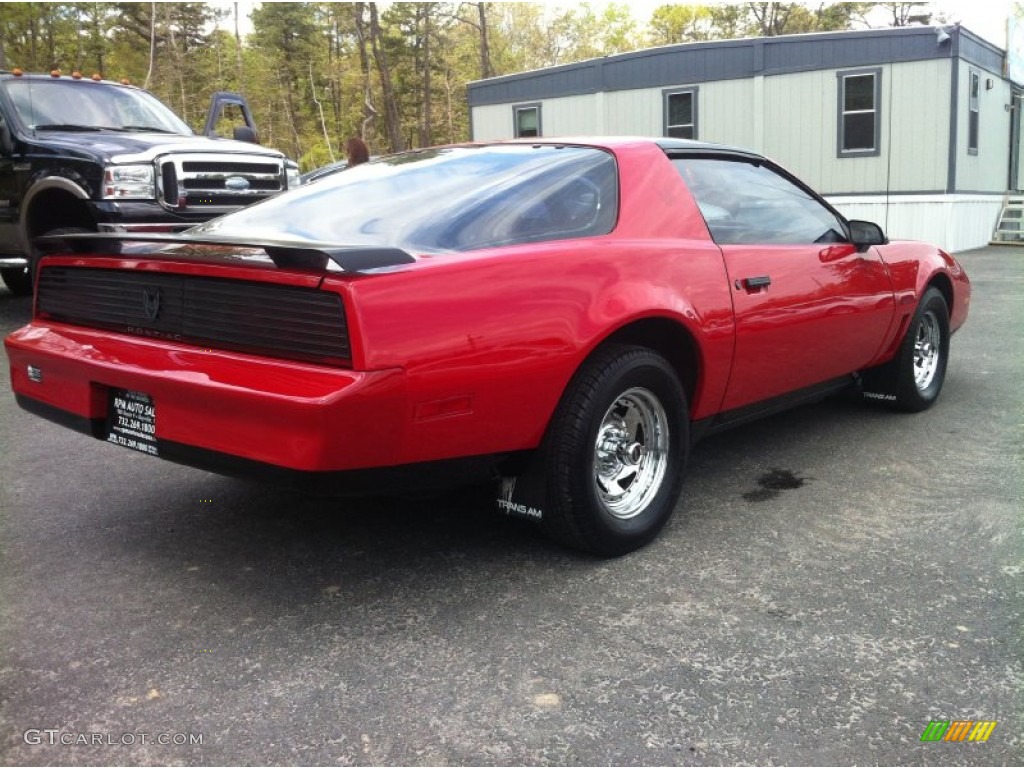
(151, 303)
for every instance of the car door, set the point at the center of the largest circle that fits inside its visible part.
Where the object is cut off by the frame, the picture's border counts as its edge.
(809, 307)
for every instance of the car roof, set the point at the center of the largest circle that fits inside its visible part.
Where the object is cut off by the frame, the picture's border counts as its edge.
(617, 142)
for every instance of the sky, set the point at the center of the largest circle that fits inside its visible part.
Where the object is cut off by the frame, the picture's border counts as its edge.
(987, 19)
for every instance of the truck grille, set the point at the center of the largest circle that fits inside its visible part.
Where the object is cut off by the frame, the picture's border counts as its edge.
(273, 320)
(199, 182)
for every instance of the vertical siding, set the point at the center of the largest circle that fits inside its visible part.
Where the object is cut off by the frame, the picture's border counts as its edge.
(571, 116)
(919, 124)
(726, 110)
(792, 118)
(952, 222)
(800, 128)
(723, 111)
(492, 122)
(800, 125)
(987, 171)
(634, 112)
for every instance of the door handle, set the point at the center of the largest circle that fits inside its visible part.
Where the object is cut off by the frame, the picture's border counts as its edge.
(754, 283)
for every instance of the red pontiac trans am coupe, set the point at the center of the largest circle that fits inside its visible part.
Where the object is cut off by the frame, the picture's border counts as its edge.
(563, 317)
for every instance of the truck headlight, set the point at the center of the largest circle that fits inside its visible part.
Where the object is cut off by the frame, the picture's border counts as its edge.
(292, 175)
(129, 182)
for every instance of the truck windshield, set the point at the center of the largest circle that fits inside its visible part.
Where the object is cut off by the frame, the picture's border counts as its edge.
(87, 105)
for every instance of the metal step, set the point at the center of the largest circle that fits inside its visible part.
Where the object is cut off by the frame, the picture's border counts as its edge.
(1010, 225)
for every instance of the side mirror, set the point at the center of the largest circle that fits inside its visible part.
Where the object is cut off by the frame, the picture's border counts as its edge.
(864, 234)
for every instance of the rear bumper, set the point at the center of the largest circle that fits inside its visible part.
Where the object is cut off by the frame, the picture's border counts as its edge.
(407, 478)
(264, 412)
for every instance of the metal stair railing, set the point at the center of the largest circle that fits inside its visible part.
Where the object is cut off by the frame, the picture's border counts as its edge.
(1010, 227)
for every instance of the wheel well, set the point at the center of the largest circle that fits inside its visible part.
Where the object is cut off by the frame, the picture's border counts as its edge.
(670, 340)
(55, 208)
(942, 282)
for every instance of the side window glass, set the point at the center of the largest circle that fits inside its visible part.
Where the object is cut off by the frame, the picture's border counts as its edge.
(680, 118)
(743, 202)
(972, 114)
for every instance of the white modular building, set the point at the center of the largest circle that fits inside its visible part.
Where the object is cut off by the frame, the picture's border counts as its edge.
(915, 128)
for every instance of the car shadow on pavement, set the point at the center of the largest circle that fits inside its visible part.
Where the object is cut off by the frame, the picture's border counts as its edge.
(284, 549)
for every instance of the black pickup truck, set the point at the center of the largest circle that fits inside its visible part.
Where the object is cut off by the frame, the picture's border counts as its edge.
(89, 154)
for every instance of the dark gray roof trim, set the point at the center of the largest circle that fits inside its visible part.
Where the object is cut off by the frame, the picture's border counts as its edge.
(692, 63)
(981, 53)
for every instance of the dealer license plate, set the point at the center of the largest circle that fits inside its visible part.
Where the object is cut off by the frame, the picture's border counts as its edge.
(131, 421)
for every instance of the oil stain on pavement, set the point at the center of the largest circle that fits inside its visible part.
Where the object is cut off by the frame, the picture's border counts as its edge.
(772, 482)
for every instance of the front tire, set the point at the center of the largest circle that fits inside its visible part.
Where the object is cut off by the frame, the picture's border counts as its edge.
(18, 280)
(913, 379)
(616, 451)
(25, 278)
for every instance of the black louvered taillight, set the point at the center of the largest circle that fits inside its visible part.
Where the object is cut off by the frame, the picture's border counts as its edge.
(283, 321)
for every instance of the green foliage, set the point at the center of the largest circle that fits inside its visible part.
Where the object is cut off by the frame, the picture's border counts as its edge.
(680, 24)
(317, 73)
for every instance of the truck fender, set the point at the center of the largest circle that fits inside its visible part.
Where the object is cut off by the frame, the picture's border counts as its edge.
(45, 184)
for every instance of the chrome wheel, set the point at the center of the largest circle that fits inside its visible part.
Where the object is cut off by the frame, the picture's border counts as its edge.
(927, 351)
(631, 453)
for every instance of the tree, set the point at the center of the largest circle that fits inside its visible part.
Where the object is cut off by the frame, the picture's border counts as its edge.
(392, 120)
(906, 14)
(680, 24)
(770, 19)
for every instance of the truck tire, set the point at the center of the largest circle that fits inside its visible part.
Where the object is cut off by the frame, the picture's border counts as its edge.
(37, 255)
(18, 280)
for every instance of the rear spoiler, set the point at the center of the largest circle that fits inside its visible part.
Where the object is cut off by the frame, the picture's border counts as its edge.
(285, 254)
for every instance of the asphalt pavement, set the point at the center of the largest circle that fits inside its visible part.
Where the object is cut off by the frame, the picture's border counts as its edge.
(836, 578)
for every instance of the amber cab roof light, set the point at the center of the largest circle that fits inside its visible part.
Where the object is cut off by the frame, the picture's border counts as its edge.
(57, 74)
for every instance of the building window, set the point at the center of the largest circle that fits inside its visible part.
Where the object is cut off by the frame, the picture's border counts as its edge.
(972, 114)
(859, 112)
(527, 121)
(681, 113)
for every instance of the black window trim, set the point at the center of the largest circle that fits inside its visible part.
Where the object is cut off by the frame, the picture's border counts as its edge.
(694, 91)
(517, 108)
(742, 157)
(841, 76)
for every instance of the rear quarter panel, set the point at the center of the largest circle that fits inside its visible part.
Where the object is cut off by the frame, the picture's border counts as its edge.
(488, 347)
(490, 340)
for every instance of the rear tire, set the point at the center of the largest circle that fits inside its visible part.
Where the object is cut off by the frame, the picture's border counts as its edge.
(616, 451)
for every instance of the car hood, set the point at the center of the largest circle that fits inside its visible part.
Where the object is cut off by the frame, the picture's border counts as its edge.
(145, 147)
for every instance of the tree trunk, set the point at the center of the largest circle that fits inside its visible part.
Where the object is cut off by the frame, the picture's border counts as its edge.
(238, 51)
(152, 43)
(485, 45)
(391, 118)
(426, 124)
(369, 113)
